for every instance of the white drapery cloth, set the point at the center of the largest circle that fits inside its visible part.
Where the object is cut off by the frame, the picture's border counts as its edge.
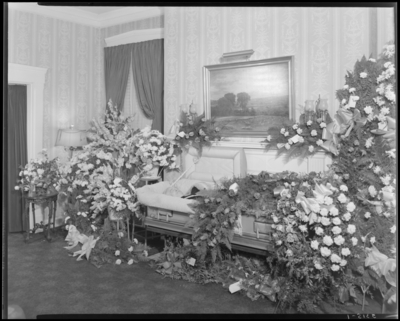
(131, 105)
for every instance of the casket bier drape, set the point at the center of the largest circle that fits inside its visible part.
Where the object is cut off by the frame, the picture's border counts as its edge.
(17, 152)
(117, 61)
(148, 74)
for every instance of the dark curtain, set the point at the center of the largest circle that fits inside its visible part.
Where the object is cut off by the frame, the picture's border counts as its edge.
(17, 152)
(117, 61)
(148, 74)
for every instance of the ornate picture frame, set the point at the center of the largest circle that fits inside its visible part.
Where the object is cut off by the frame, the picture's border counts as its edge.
(246, 98)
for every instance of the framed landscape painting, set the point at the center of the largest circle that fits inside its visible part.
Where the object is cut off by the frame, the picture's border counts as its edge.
(247, 98)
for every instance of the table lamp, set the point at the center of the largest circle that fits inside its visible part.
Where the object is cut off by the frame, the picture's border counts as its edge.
(71, 138)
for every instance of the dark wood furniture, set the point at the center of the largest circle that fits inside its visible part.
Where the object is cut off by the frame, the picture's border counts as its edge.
(48, 200)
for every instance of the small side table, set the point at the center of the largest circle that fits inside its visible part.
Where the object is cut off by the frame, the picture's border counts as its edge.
(44, 201)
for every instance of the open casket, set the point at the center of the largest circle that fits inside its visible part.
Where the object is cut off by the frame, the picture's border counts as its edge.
(168, 214)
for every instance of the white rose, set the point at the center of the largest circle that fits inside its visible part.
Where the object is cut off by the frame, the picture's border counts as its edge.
(118, 262)
(300, 131)
(367, 215)
(372, 59)
(323, 211)
(336, 221)
(393, 229)
(130, 249)
(283, 130)
(319, 231)
(295, 126)
(130, 262)
(346, 87)
(314, 244)
(363, 75)
(301, 139)
(352, 90)
(325, 251)
(328, 200)
(335, 258)
(117, 252)
(318, 266)
(303, 228)
(314, 132)
(279, 242)
(351, 207)
(289, 253)
(325, 221)
(372, 240)
(334, 211)
(346, 217)
(351, 229)
(16, 187)
(343, 188)
(327, 240)
(372, 190)
(339, 240)
(342, 198)
(354, 241)
(343, 262)
(345, 251)
(335, 267)
(234, 187)
(311, 149)
(322, 125)
(336, 230)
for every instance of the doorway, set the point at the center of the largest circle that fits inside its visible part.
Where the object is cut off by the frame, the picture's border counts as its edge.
(17, 154)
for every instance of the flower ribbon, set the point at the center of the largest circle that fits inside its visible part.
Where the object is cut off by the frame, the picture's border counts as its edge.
(342, 123)
(87, 246)
(308, 204)
(74, 237)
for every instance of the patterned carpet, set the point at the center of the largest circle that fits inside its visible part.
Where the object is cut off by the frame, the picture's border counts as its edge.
(43, 279)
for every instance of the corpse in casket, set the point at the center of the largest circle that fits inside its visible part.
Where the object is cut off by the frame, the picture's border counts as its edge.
(168, 210)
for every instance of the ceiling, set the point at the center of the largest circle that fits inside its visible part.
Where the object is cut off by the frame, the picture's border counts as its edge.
(98, 10)
(97, 16)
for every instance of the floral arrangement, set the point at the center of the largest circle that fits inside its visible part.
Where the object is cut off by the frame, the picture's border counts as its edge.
(153, 149)
(41, 174)
(99, 183)
(113, 134)
(297, 140)
(194, 130)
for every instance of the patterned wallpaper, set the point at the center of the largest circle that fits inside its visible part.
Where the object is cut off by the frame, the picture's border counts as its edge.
(326, 42)
(73, 54)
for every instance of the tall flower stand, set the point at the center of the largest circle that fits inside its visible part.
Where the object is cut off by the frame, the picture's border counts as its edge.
(48, 200)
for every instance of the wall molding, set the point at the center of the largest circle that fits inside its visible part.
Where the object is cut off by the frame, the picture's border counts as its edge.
(135, 36)
(115, 17)
(34, 78)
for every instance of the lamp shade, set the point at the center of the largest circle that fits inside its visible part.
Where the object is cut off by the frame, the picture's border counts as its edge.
(71, 137)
